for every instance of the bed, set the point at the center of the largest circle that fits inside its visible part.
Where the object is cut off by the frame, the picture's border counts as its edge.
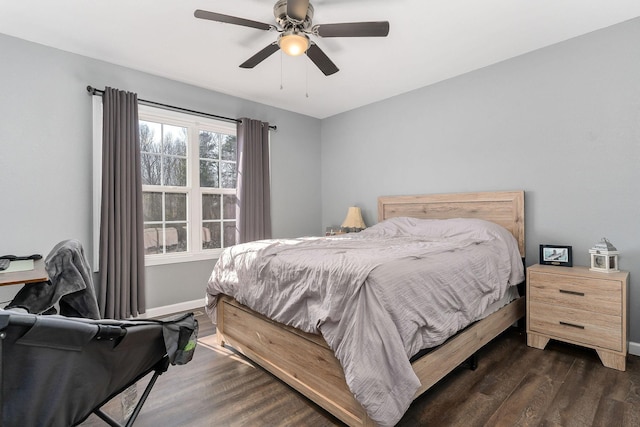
(308, 364)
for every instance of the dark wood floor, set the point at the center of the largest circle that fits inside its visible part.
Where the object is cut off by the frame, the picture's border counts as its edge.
(514, 385)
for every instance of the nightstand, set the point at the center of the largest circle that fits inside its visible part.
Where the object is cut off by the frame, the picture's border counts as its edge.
(579, 306)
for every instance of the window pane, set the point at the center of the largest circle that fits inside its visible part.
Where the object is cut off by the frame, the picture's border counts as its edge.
(183, 232)
(175, 140)
(175, 171)
(150, 168)
(229, 234)
(175, 238)
(152, 206)
(209, 145)
(207, 232)
(228, 175)
(150, 134)
(229, 201)
(229, 148)
(175, 207)
(152, 244)
(211, 206)
(209, 174)
(216, 239)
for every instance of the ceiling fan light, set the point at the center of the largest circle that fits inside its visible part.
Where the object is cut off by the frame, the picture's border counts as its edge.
(293, 44)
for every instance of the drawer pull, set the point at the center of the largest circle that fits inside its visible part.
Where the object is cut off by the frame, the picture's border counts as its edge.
(572, 325)
(580, 294)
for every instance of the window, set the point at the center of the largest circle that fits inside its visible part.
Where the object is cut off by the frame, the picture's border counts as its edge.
(189, 178)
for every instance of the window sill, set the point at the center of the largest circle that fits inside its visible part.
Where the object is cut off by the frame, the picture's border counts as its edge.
(151, 260)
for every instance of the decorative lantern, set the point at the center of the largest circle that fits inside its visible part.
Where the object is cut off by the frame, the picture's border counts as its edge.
(604, 257)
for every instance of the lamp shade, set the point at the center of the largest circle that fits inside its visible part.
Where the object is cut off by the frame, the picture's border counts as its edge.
(354, 219)
(293, 43)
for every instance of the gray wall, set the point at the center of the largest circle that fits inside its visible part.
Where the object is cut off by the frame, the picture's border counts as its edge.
(46, 157)
(561, 123)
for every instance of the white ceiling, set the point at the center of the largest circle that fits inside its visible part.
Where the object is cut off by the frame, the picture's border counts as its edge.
(429, 41)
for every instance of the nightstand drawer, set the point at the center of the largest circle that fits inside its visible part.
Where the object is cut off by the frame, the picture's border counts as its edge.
(590, 294)
(579, 326)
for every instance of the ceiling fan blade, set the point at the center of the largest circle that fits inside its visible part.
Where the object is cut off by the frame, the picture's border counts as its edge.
(297, 10)
(260, 56)
(322, 61)
(227, 19)
(353, 29)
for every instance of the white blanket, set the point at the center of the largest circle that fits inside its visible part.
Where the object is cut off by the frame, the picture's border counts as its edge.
(378, 296)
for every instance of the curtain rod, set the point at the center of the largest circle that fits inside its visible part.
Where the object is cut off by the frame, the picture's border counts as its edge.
(94, 91)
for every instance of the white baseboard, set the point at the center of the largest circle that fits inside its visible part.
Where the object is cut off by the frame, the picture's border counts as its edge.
(173, 308)
(634, 348)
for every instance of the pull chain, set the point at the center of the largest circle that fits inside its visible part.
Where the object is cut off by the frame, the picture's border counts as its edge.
(280, 69)
(306, 69)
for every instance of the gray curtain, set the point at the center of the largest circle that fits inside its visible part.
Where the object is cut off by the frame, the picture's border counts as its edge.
(121, 228)
(253, 210)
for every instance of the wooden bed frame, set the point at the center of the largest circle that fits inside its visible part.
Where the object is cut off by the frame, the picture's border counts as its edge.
(306, 363)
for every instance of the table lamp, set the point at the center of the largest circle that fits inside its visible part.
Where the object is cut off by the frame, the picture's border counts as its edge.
(353, 222)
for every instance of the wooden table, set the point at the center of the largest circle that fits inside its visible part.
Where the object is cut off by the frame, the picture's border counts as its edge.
(38, 274)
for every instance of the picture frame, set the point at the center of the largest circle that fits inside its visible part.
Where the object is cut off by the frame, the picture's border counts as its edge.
(560, 255)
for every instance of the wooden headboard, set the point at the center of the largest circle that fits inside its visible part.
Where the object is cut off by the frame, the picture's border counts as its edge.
(502, 207)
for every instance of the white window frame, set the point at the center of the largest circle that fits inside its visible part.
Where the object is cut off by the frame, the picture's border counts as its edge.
(194, 124)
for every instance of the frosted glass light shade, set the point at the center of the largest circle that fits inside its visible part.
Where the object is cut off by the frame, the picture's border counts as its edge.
(293, 44)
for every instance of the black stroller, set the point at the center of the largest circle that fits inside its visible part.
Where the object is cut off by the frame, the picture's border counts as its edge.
(56, 370)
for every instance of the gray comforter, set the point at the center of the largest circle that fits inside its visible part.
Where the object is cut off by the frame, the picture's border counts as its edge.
(378, 296)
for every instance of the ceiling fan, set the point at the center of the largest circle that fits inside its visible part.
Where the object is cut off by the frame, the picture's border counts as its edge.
(294, 18)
